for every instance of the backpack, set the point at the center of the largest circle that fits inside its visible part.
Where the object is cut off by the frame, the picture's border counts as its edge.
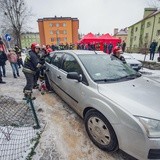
(3, 58)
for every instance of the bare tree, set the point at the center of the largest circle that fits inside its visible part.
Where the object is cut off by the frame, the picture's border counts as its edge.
(15, 14)
(154, 3)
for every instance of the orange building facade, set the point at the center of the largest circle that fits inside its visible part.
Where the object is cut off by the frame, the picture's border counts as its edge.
(58, 30)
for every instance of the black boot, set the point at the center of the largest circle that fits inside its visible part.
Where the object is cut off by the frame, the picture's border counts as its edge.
(28, 95)
(1, 81)
(18, 75)
(14, 75)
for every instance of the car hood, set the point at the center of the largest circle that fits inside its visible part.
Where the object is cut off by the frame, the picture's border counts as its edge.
(133, 61)
(140, 96)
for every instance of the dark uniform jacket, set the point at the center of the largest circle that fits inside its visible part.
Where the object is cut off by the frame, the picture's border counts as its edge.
(31, 63)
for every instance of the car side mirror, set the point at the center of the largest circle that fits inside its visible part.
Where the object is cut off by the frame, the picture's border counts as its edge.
(75, 75)
(48, 60)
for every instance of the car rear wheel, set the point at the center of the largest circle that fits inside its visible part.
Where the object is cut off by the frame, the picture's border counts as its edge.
(100, 131)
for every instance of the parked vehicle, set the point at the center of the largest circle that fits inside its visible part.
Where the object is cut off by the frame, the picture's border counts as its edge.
(120, 107)
(134, 63)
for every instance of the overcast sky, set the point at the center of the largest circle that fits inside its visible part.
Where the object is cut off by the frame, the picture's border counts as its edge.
(96, 16)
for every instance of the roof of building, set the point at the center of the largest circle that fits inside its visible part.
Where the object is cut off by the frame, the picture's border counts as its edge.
(122, 32)
(57, 18)
(30, 33)
(149, 16)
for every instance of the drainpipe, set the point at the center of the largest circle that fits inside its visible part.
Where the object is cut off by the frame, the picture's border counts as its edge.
(152, 29)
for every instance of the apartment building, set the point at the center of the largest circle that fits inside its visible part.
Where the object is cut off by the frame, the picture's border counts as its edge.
(58, 30)
(142, 33)
(28, 38)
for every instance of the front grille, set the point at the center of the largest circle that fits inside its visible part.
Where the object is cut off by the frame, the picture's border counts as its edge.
(133, 65)
(154, 154)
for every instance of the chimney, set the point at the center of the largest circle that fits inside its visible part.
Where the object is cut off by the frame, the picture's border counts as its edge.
(115, 31)
(125, 29)
(148, 11)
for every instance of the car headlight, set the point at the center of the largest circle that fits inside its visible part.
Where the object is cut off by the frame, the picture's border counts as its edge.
(140, 65)
(151, 126)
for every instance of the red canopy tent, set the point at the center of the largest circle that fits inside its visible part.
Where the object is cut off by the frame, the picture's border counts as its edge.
(88, 38)
(107, 38)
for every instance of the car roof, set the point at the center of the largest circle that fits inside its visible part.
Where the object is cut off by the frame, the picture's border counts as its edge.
(78, 52)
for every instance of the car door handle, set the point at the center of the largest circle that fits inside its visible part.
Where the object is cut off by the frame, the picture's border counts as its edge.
(59, 77)
(47, 70)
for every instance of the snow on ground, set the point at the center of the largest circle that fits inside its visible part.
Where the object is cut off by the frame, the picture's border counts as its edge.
(143, 57)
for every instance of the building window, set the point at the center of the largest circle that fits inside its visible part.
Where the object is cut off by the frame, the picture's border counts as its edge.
(52, 39)
(132, 29)
(135, 38)
(58, 40)
(158, 32)
(148, 24)
(142, 26)
(51, 32)
(51, 24)
(57, 31)
(64, 24)
(65, 39)
(159, 20)
(57, 24)
(136, 29)
(146, 36)
(64, 32)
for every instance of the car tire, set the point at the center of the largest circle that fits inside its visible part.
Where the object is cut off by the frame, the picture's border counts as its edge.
(49, 88)
(100, 131)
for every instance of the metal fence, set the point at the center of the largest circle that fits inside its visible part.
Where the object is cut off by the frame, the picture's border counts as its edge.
(17, 133)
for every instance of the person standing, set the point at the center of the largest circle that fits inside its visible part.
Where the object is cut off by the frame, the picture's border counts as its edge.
(123, 46)
(105, 47)
(3, 59)
(19, 56)
(110, 46)
(117, 53)
(31, 66)
(152, 49)
(158, 50)
(12, 58)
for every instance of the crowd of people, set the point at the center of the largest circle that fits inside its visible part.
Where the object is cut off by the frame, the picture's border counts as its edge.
(107, 48)
(13, 56)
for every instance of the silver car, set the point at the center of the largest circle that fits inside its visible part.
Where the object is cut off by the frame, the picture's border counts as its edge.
(134, 63)
(120, 108)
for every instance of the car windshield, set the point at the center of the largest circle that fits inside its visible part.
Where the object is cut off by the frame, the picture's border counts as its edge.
(105, 68)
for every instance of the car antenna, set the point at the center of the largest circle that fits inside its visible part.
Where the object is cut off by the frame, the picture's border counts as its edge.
(94, 51)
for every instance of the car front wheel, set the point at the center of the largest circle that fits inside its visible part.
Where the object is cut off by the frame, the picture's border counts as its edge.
(100, 131)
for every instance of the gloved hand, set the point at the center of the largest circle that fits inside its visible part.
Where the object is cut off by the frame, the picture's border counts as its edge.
(42, 62)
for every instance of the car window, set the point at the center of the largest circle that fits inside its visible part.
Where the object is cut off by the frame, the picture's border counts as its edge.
(70, 64)
(56, 59)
